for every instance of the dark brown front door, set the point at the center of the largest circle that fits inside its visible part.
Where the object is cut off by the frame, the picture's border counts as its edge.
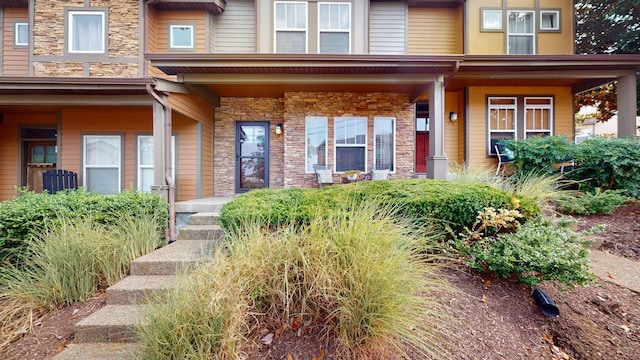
(422, 151)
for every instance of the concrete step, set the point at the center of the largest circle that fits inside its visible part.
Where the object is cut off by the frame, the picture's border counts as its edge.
(200, 232)
(202, 205)
(100, 351)
(205, 218)
(173, 258)
(112, 323)
(138, 289)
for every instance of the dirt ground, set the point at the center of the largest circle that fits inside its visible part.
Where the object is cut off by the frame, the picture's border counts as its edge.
(494, 318)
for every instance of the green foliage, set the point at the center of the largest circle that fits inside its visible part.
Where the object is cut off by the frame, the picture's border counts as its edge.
(538, 251)
(540, 154)
(358, 273)
(449, 203)
(30, 213)
(71, 261)
(608, 164)
(600, 202)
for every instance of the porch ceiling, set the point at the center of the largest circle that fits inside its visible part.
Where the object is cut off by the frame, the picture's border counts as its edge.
(56, 86)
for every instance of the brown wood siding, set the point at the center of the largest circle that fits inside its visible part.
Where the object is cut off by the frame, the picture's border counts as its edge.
(186, 132)
(15, 60)
(435, 31)
(192, 106)
(207, 157)
(79, 121)
(10, 166)
(165, 18)
(563, 117)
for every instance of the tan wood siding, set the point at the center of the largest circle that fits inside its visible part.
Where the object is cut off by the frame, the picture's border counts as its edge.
(235, 30)
(563, 117)
(451, 128)
(165, 18)
(15, 60)
(387, 28)
(435, 31)
(79, 121)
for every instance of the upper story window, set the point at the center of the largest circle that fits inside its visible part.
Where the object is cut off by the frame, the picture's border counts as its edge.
(334, 28)
(181, 37)
(521, 32)
(21, 34)
(491, 20)
(86, 32)
(291, 27)
(550, 20)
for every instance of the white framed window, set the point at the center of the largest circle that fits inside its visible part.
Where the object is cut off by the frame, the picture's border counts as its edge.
(538, 116)
(550, 20)
(491, 20)
(102, 163)
(334, 25)
(181, 37)
(502, 120)
(21, 34)
(316, 142)
(290, 27)
(86, 32)
(520, 32)
(350, 139)
(145, 168)
(384, 145)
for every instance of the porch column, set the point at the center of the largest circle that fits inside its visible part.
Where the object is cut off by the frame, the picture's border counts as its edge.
(159, 183)
(627, 105)
(437, 160)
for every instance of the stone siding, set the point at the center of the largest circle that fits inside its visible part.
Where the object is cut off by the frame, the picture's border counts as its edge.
(287, 158)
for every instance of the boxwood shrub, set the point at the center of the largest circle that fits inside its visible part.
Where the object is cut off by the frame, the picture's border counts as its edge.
(451, 204)
(28, 212)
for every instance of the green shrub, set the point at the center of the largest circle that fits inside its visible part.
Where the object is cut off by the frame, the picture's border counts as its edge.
(540, 153)
(447, 203)
(357, 273)
(608, 164)
(30, 213)
(600, 202)
(68, 262)
(538, 251)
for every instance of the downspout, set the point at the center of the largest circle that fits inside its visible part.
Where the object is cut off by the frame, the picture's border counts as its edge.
(167, 161)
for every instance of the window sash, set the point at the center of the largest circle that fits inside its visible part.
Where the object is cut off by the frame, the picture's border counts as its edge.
(316, 149)
(181, 36)
(102, 163)
(145, 160)
(491, 19)
(521, 32)
(86, 32)
(384, 147)
(350, 141)
(21, 34)
(502, 119)
(549, 20)
(334, 28)
(538, 116)
(290, 27)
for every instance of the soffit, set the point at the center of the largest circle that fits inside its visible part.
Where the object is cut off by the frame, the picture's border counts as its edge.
(215, 7)
(72, 86)
(14, 3)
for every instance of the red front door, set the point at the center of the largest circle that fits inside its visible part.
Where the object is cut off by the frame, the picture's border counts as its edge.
(422, 151)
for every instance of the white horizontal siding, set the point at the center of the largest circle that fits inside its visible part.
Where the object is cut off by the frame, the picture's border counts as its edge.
(387, 28)
(234, 30)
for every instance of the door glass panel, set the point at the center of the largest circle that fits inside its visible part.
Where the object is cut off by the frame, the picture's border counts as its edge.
(252, 163)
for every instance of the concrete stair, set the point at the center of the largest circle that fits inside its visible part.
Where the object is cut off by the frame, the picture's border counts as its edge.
(109, 333)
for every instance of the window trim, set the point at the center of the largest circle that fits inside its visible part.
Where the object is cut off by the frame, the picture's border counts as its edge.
(70, 28)
(558, 21)
(486, 11)
(139, 166)
(349, 31)
(276, 29)
(173, 46)
(120, 158)
(532, 34)
(324, 119)
(16, 40)
(394, 123)
(365, 144)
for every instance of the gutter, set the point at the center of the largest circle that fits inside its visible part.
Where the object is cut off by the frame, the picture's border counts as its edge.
(167, 162)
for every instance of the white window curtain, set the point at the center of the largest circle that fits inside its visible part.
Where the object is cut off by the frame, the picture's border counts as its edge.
(102, 163)
(86, 31)
(384, 145)
(521, 32)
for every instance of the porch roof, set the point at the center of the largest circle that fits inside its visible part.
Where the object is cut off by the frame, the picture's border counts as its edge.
(72, 86)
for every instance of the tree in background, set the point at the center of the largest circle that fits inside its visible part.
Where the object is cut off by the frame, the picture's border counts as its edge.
(606, 27)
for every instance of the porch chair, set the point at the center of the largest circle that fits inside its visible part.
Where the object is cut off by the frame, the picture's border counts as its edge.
(505, 157)
(382, 174)
(325, 177)
(57, 180)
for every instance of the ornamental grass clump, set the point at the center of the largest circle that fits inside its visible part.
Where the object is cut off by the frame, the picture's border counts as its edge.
(70, 261)
(359, 273)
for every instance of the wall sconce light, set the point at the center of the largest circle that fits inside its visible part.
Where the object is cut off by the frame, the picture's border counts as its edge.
(453, 116)
(278, 129)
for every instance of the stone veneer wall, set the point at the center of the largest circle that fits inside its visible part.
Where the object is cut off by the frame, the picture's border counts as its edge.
(287, 158)
(230, 111)
(123, 39)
